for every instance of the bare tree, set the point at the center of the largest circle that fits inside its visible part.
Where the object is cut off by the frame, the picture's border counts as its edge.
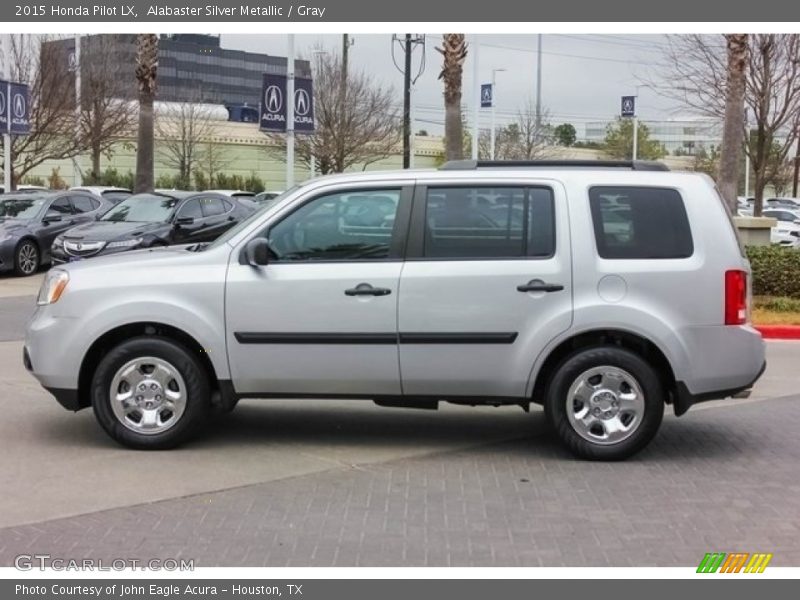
(454, 53)
(182, 130)
(696, 72)
(52, 135)
(106, 116)
(528, 137)
(732, 132)
(364, 130)
(213, 159)
(146, 69)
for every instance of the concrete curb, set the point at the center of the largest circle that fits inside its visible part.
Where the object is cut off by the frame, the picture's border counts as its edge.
(779, 332)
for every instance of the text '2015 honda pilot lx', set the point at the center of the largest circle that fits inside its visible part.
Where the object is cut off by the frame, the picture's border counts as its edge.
(602, 291)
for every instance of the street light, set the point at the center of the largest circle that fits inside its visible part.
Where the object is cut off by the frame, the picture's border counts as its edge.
(494, 104)
(636, 123)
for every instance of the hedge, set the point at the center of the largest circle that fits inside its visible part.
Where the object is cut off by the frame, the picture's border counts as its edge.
(776, 270)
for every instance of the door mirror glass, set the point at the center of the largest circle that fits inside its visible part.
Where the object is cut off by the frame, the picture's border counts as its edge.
(257, 252)
(184, 221)
(52, 217)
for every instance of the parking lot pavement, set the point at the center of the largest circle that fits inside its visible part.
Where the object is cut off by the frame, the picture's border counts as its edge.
(721, 480)
(12, 286)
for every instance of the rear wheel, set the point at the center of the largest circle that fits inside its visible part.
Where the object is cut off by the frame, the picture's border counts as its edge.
(150, 393)
(605, 403)
(26, 258)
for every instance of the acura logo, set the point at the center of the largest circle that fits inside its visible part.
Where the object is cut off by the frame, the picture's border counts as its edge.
(2, 103)
(19, 106)
(273, 99)
(73, 62)
(302, 104)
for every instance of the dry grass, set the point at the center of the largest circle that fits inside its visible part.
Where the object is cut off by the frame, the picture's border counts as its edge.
(770, 317)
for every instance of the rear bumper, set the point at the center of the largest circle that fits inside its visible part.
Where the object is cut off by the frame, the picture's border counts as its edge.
(67, 398)
(684, 399)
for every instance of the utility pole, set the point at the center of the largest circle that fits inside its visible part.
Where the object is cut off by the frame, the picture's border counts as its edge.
(796, 166)
(290, 114)
(494, 105)
(407, 105)
(407, 43)
(78, 177)
(476, 97)
(538, 82)
(6, 73)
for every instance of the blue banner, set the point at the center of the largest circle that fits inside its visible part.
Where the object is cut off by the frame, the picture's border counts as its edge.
(3, 107)
(273, 104)
(18, 109)
(486, 95)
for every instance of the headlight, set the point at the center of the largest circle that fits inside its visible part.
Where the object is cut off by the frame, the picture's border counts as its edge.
(125, 243)
(53, 286)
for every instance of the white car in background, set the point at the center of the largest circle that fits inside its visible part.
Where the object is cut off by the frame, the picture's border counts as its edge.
(787, 231)
(115, 195)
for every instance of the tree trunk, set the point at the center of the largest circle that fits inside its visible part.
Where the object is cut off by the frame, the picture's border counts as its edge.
(96, 163)
(733, 132)
(146, 67)
(144, 145)
(453, 130)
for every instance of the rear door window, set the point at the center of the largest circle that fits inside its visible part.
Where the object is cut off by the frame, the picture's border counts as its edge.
(640, 223)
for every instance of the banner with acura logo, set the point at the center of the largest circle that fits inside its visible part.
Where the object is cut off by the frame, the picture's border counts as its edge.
(273, 104)
(14, 108)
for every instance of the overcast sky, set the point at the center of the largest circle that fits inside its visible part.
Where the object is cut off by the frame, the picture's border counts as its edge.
(583, 76)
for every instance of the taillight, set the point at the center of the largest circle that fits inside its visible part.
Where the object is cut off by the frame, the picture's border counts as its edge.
(735, 297)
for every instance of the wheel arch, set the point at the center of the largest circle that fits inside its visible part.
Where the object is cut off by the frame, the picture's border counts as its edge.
(121, 333)
(600, 337)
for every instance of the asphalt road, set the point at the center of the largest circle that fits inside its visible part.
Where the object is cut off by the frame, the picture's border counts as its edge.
(330, 483)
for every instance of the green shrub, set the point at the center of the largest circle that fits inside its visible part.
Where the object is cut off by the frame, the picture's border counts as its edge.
(777, 303)
(776, 271)
(111, 177)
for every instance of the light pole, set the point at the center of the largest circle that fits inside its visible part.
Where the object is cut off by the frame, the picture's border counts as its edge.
(636, 124)
(476, 95)
(290, 113)
(494, 104)
(5, 54)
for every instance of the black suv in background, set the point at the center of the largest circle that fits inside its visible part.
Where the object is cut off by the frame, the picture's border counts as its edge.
(150, 220)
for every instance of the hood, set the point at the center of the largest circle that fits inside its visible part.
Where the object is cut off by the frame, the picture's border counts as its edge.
(110, 231)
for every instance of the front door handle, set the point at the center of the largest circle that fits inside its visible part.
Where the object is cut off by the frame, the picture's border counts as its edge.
(365, 289)
(537, 285)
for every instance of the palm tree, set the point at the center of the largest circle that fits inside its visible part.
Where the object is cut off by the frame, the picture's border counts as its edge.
(454, 52)
(146, 66)
(733, 125)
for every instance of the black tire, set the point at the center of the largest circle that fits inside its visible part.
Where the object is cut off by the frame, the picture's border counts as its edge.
(195, 380)
(578, 363)
(27, 258)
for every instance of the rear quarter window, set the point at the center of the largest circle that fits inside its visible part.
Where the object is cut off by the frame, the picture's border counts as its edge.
(640, 223)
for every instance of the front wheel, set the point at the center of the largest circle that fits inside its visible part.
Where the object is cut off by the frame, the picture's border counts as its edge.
(605, 403)
(26, 258)
(150, 393)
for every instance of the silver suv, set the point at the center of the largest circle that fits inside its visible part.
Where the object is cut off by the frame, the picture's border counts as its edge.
(601, 290)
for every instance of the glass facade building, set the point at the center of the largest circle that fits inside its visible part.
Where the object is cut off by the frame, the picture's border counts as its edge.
(191, 67)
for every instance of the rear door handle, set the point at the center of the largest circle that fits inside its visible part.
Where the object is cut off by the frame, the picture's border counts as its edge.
(365, 289)
(537, 285)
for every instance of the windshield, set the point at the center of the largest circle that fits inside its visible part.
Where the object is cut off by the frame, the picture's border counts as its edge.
(233, 231)
(20, 208)
(143, 208)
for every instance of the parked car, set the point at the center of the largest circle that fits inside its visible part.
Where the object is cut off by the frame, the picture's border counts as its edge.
(29, 222)
(233, 193)
(24, 189)
(265, 198)
(151, 220)
(787, 230)
(410, 288)
(792, 203)
(114, 195)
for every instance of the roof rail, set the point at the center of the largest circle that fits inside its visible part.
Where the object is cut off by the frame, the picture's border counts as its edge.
(634, 165)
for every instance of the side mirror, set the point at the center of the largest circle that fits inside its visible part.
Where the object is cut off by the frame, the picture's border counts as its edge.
(184, 220)
(52, 217)
(257, 252)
